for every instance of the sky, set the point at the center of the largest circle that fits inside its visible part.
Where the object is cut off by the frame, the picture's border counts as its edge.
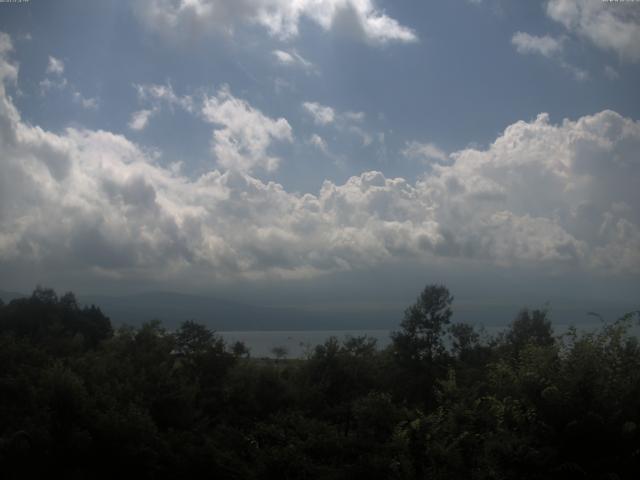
(327, 153)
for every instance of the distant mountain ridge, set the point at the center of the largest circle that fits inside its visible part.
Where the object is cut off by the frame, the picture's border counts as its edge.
(225, 315)
(174, 308)
(6, 296)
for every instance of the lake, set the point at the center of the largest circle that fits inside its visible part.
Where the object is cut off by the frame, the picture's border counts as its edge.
(300, 342)
(297, 343)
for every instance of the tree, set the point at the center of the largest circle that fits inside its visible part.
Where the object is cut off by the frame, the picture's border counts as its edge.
(463, 338)
(280, 352)
(68, 301)
(423, 325)
(193, 339)
(44, 295)
(240, 350)
(530, 328)
(360, 346)
(56, 323)
(419, 348)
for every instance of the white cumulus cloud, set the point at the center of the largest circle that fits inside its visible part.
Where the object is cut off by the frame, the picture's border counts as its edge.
(425, 152)
(343, 121)
(293, 58)
(156, 97)
(613, 26)
(552, 195)
(549, 47)
(163, 95)
(140, 119)
(281, 18)
(55, 66)
(89, 103)
(544, 45)
(321, 114)
(319, 142)
(245, 135)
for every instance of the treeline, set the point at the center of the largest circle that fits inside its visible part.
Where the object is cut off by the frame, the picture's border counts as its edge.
(79, 399)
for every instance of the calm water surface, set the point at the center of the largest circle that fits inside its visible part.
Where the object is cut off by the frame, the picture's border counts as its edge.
(298, 343)
(301, 342)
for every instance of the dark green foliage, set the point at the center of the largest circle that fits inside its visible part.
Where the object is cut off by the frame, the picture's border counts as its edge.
(530, 328)
(78, 400)
(419, 347)
(420, 339)
(58, 324)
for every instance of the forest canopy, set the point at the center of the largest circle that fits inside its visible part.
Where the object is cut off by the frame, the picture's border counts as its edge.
(81, 398)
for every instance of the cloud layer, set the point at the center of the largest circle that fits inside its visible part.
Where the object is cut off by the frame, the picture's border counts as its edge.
(425, 152)
(281, 18)
(545, 45)
(293, 59)
(613, 26)
(557, 196)
(245, 135)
